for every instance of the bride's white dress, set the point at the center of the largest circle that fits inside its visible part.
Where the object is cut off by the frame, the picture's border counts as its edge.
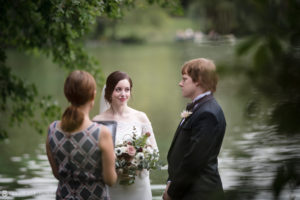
(141, 189)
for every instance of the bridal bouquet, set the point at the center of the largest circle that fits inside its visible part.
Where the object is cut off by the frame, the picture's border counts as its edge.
(133, 155)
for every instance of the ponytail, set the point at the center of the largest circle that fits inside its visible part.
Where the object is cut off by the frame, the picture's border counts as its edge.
(71, 119)
(79, 88)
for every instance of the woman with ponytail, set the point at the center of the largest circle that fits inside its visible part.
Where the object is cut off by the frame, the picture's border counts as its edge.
(80, 151)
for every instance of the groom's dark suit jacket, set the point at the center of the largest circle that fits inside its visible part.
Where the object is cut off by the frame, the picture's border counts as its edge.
(192, 157)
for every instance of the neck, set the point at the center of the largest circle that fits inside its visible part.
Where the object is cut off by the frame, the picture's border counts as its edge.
(85, 109)
(197, 93)
(119, 110)
(203, 94)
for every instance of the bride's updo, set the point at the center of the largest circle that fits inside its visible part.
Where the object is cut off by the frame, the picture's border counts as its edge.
(111, 82)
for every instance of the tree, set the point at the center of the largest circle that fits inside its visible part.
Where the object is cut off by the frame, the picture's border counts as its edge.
(274, 45)
(213, 15)
(55, 28)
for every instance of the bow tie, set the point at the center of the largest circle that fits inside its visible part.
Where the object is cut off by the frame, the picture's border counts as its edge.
(190, 106)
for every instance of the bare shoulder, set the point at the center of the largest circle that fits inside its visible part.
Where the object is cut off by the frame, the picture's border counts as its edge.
(104, 137)
(105, 132)
(98, 117)
(102, 117)
(141, 116)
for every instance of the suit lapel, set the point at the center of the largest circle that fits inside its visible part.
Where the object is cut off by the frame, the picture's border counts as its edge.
(176, 134)
(203, 100)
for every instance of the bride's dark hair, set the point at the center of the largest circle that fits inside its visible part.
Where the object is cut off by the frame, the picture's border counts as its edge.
(111, 82)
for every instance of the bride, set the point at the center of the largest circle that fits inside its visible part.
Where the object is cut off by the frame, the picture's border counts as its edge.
(117, 93)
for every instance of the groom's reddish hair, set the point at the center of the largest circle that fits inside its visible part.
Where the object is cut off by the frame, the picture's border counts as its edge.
(203, 71)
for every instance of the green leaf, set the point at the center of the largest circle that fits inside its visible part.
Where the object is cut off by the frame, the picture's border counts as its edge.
(246, 45)
(261, 57)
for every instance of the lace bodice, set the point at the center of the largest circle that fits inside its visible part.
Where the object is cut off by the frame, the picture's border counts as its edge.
(125, 131)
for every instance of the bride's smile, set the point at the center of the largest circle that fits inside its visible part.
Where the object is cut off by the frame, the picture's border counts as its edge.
(131, 123)
(121, 93)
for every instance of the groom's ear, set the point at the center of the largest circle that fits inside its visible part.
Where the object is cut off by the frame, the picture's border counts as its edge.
(197, 83)
(94, 96)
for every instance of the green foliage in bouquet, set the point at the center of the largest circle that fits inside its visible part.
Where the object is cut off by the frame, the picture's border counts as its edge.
(135, 155)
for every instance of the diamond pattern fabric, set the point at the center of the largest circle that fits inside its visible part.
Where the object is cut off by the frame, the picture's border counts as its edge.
(78, 160)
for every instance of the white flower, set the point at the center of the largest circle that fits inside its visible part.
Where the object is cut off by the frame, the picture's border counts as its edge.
(140, 156)
(118, 151)
(185, 114)
(134, 162)
(149, 150)
(124, 149)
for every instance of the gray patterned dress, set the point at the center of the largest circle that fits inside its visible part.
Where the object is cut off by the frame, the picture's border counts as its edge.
(78, 160)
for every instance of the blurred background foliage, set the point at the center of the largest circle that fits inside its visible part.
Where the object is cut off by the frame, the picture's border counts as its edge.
(267, 49)
(268, 32)
(56, 29)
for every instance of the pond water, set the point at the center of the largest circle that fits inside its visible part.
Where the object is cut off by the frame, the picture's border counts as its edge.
(251, 151)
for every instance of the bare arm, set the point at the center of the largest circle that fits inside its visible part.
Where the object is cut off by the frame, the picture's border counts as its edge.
(148, 128)
(108, 156)
(51, 159)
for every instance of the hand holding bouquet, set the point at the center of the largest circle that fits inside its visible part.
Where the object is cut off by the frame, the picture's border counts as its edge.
(134, 155)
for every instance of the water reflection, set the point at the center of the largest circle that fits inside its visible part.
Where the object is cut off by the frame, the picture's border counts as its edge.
(252, 165)
(34, 179)
(251, 172)
(37, 182)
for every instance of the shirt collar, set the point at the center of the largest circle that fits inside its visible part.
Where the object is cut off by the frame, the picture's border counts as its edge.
(202, 95)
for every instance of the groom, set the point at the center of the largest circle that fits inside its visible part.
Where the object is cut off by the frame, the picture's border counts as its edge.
(192, 158)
